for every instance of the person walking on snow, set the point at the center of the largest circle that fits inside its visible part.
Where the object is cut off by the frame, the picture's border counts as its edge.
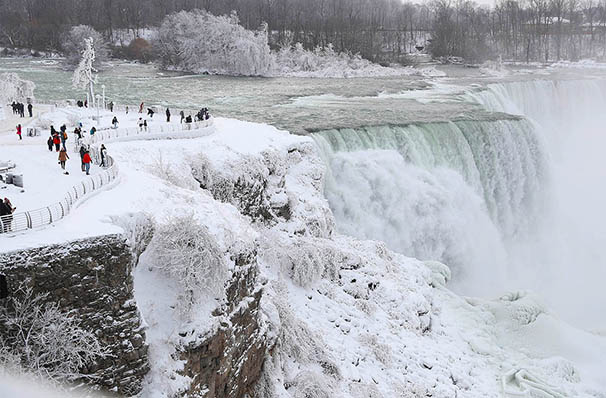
(30, 110)
(49, 142)
(87, 161)
(82, 152)
(56, 141)
(167, 115)
(93, 130)
(63, 135)
(182, 116)
(103, 156)
(141, 108)
(62, 159)
(19, 131)
(6, 214)
(115, 122)
(150, 112)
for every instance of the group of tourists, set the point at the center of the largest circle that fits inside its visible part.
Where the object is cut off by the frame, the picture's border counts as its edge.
(19, 109)
(6, 215)
(202, 114)
(57, 138)
(57, 142)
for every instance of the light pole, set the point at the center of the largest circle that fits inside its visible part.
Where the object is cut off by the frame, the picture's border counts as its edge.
(98, 98)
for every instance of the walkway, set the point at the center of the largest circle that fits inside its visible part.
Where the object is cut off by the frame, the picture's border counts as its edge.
(65, 191)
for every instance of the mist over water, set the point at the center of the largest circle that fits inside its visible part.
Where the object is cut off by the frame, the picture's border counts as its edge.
(508, 205)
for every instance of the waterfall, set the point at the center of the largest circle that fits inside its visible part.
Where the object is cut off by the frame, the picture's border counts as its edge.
(516, 203)
(457, 192)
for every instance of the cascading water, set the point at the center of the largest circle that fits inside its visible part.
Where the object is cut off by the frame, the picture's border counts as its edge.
(570, 115)
(457, 192)
(492, 199)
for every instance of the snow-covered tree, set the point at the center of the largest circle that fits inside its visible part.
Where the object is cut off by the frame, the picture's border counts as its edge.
(39, 338)
(85, 74)
(73, 45)
(198, 41)
(185, 250)
(13, 88)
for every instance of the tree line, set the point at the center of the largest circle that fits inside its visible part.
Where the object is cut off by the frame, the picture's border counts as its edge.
(379, 30)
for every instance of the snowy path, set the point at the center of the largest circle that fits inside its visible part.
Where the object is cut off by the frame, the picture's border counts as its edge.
(59, 191)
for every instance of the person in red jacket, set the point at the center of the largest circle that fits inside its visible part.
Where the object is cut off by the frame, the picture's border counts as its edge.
(87, 161)
(19, 131)
(57, 141)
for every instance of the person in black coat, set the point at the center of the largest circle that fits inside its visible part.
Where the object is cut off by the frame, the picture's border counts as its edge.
(6, 212)
(30, 110)
(167, 115)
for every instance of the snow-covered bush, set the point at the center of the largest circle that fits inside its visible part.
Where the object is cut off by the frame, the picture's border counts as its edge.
(185, 250)
(139, 229)
(326, 62)
(40, 338)
(172, 172)
(200, 42)
(13, 88)
(305, 259)
(73, 45)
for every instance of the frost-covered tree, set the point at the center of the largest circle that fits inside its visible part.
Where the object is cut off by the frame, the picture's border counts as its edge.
(37, 337)
(73, 45)
(185, 250)
(200, 42)
(13, 88)
(85, 74)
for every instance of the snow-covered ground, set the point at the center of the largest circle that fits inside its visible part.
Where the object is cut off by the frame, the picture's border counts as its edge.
(44, 180)
(349, 318)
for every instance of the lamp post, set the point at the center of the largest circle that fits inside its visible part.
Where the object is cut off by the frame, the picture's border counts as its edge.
(98, 98)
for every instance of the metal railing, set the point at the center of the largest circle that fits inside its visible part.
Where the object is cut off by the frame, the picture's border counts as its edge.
(47, 215)
(109, 134)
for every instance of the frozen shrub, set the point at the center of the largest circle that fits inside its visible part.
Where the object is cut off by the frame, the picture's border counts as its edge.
(186, 251)
(139, 230)
(172, 173)
(40, 338)
(13, 88)
(310, 384)
(305, 259)
(326, 62)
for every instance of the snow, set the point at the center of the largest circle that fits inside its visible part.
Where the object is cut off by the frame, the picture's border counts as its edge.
(200, 42)
(349, 317)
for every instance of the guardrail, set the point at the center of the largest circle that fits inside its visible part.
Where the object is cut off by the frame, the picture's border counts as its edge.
(110, 134)
(47, 215)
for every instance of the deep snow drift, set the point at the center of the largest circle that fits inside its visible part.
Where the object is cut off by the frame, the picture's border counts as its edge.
(348, 317)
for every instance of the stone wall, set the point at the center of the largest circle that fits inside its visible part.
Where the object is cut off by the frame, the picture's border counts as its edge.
(228, 363)
(92, 277)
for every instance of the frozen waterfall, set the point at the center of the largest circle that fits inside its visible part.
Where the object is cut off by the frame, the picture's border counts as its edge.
(508, 204)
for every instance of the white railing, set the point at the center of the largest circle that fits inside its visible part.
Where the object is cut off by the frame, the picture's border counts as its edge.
(47, 215)
(152, 131)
